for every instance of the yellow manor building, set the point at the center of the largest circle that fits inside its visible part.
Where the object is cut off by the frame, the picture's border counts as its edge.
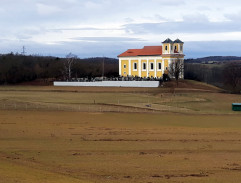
(151, 61)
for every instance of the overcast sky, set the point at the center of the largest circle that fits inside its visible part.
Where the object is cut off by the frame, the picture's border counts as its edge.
(90, 28)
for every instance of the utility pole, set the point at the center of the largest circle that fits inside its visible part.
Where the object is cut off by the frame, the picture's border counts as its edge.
(103, 68)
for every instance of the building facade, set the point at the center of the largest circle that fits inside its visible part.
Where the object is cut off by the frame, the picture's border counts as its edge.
(151, 61)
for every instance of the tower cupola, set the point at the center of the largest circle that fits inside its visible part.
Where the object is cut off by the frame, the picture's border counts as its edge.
(167, 46)
(178, 46)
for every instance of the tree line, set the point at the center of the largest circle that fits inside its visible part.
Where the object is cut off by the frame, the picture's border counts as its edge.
(16, 68)
(226, 75)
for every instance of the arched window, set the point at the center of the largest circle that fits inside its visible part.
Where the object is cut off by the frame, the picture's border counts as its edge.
(144, 66)
(166, 48)
(159, 66)
(151, 66)
(135, 66)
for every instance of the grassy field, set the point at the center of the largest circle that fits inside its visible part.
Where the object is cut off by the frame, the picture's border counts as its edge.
(93, 135)
(189, 98)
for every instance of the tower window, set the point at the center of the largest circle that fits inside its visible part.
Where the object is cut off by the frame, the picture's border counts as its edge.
(144, 66)
(181, 47)
(166, 48)
(124, 66)
(175, 47)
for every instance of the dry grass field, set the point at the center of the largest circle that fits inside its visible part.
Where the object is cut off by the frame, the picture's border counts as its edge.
(190, 98)
(58, 135)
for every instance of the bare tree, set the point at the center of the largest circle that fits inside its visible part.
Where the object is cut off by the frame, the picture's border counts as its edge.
(68, 64)
(176, 69)
(232, 73)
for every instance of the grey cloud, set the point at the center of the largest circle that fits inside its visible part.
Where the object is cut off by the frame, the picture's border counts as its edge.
(103, 48)
(128, 19)
(233, 16)
(108, 39)
(204, 8)
(195, 49)
(195, 18)
(112, 49)
(20, 20)
(156, 17)
(84, 28)
(159, 17)
(171, 2)
(23, 34)
(182, 27)
(23, 37)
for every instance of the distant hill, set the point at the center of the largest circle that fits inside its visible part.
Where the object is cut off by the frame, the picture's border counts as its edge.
(213, 59)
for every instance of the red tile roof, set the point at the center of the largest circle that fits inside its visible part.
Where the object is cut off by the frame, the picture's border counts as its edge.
(146, 51)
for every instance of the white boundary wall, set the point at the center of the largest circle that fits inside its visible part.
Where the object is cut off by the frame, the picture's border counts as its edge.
(152, 84)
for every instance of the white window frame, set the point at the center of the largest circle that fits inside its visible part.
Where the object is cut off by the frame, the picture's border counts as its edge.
(134, 66)
(153, 66)
(143, 66)
(159, 69)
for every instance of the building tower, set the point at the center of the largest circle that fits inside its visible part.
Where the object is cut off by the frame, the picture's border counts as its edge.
(178, 46)
(167, 47)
